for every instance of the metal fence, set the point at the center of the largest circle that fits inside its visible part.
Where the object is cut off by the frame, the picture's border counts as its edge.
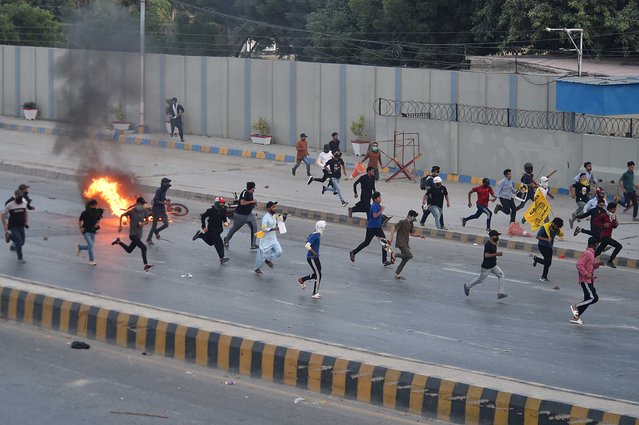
(507, 117)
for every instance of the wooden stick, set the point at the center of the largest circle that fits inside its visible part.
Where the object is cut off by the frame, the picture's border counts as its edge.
(151, 415)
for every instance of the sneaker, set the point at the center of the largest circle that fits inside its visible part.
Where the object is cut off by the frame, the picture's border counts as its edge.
(523, 221)
(544, 279)
(301, 283)
(344, 203)
(197, 235)
(466, 290)
(310, 180)
(577, 321)
(422, 223)
(77, 249)
(635, 219)
(463, 222)
(150, 243)
(224, 260)
(534, 261)
(254, 246)
(577, 231)
(293, 171)
(399, 277)
(116, 241)
(497, 209)
(226, 244)
(571, 221)
(388, 263)
(352, 255)
(316, 296)
(323, 189)
(12, 248)
(92, 263)
(21, 261)
(7, 237)
(611, 264)
(443, 228)
(258, 271)
(350, 211)
(269, 263)
(157, 236)
(501, 295)
(148, 267)
(574, 311)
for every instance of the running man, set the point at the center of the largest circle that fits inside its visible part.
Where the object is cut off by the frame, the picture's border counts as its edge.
(367, 183)
(269, 248)
(546, 239)
(405, 228)
(580, 192)
(506, 191)
(590, 177)
(483, 193)
(607, 222)
(434, 198)
(159, 210)
(89, 224)
(593, 213)
(244, 215)
(335, 167)
(313, 258)
(429, 182)
(627, 184)
(586, 266)
(25, 195)
(301, 155)
(211, 232)
(373, 228)
(489, 265)
(528, 181)
(17, 222)
(138, 218)
(322, 159)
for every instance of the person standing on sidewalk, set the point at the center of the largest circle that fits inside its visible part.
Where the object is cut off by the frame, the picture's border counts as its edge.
(627, 184)
(335, 167)
(159, 210)
(321, 161)
(405, 228)
(89, 223)
(333, 145)
(244, 215)
(483, 193)
(428, 183)
(212, 232)
(373, 228)
(580, 192)
(367, 183)
(269, 248)
(138, 218)
(374, 156)
(506, 191)
(301, 155)
(313, 258)
(176, 110)
(489, 265)
(435, 199)
(586, 266)
(17, 222)
(607, 221)
(546, 239)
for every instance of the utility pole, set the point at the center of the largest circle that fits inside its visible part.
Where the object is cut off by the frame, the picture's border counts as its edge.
(141, 126)
(579, 49)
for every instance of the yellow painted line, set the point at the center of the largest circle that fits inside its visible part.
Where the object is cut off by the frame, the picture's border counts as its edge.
(155, 142)
(417, 394)
(578, 416)
(531, 411)
(260, 155)
(29, 303)
(137, 141)
(83, 320)
(206, 149)
(179, 350)
(464, 237)
(101, 324)
(502, 408)
(290, 366)
(610, 419)
(12, 312)
(223, 352)
(224, 151)
(65, 311)
(160, 338)
(246, 357)
(280, 157)
(448, 236)
(188, 147)
(140, 333)
(473, 398)
(47, 312)
(632, 264)
(315, 372)
(339, 377)
(202, 347)
(444, 400)
(364, 377)
(390, 388)
(268, 360)
(121, 328)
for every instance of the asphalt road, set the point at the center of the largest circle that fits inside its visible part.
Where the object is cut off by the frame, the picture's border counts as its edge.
(526, 337)
(45, 381)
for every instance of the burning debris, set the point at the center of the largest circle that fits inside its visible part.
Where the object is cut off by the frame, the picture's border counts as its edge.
(111, 192)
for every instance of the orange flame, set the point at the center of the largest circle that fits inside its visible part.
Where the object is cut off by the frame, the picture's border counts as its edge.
(109, 190)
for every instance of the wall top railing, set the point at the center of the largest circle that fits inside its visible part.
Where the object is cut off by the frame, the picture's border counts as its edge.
(507, 117)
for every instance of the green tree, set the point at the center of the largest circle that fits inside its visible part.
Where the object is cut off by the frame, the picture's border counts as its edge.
(27, 25)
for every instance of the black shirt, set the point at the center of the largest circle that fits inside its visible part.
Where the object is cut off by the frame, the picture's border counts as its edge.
(90, 218)
(335, 167)
(216, 219)
(436, 195)
(245, 209)
(333, 145)
(368, 186)
(581, 192)
(489, 262)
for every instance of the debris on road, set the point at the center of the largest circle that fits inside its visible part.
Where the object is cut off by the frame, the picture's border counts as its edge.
(299, 400)
(80, 345)
(150, 415)
(229, 382)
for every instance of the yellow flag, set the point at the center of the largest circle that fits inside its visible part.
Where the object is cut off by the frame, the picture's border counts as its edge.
(538, 211)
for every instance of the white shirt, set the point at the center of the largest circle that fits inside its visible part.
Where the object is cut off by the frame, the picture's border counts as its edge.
(592, 203)
(589, 176)
(323, 158)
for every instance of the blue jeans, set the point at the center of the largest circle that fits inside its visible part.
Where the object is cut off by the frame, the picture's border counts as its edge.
(18, 237)
(437, 213)
(90, 238)
(336, 188)
(306, 161)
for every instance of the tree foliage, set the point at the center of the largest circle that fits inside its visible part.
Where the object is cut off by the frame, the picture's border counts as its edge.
(24, 24)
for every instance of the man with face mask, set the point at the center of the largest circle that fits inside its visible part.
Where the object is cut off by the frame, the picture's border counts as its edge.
(335, 167)
(17, 222)
(489, 265)
(428, 183)
(159, 210)
(212, 232)
(269, 248)
(313, 258)
(404, 228)
(322, 159)
(483, 193)
(580, 192)
(435, 199)
(138, 218)
(374, 158)
(25, 195)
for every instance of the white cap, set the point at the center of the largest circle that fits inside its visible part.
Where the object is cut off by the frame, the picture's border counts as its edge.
(320, 226)
(437, 179)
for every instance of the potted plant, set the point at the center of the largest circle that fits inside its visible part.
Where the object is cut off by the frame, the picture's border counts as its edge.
(119, 119)
(262, 128)
(30, 110)
(360, 145)
(168, 114)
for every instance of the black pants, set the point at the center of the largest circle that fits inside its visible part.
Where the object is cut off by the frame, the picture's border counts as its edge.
(631, 197)
(508, 207)
(370, 234)
(604, 243)
(154, 227)
(177, 123)
(316, 267)
(590, 297)
(214, 239)
(427, 213)
(135, 242)
(324, 178)
(481, 210)
(364, 205)
(546, 251)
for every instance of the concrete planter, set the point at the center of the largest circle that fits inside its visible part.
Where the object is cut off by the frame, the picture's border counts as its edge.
(30, 114)
(261, 140)
(121, 126)
(360, 147)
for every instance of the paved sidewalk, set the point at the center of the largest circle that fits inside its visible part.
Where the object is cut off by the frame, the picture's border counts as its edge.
(222, 166)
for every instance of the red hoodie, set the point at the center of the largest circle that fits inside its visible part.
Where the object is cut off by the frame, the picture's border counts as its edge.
(600, 220)
(586, 266)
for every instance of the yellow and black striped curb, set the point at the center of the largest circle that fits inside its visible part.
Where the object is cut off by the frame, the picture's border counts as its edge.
(427, 396)
(337, 218)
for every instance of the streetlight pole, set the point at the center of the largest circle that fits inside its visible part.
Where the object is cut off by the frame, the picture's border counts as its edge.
(579, 49)
(141, 126)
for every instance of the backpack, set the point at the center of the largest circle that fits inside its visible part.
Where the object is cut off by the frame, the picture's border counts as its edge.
(423, 182)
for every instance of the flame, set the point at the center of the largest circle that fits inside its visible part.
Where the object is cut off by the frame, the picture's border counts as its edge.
(110, 191)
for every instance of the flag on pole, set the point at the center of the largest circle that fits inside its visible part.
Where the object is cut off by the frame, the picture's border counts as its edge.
(538, 211)
(359, 169)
